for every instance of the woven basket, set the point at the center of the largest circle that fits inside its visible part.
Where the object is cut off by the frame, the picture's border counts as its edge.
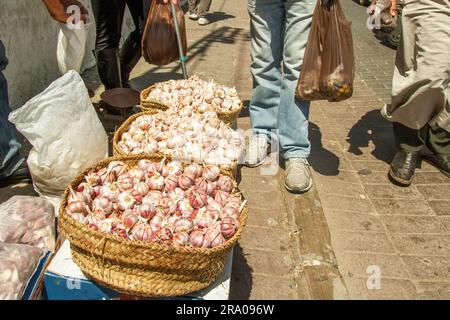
(117, 151)
(154, 105)
(138, 268)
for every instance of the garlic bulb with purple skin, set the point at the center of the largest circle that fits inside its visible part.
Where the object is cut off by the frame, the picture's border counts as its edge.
(76, 207)
(183, 225)
(142, 232)
(180, 239)
(198, 239)
(193, 170)
(117, 167)
(156, 182)
(225, 183)
(215, 237)
(145, 211)
(185, 182)
(141, 188)
(211, 172)
(198, 199)
(136, 173)
(221, 197)
(110, 191)
(79, 196)
(129, 219)
(102, 204)
(170, 183)
(124, 182)
(78, 217)
(228, 227)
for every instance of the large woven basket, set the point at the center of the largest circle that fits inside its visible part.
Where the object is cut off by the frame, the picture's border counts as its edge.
(138, 268)
(117, 151)
(154, 105)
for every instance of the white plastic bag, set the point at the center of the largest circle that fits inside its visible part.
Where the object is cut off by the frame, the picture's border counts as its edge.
(65, 132)
(28, 220)
(18, 263)
(71, 46)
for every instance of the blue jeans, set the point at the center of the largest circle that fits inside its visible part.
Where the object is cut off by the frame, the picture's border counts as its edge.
(10, 158)
(279, 33)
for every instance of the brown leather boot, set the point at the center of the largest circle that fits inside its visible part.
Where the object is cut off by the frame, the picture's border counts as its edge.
(440, 161)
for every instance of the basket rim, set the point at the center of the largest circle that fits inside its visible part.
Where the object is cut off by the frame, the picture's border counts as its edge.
(145, 92)
(63, 216)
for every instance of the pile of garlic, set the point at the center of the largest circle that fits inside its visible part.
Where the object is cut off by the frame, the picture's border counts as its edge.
(183, 134)
(201, 95)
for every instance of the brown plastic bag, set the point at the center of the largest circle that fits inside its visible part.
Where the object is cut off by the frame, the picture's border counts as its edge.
(159, 41)
(328, 66)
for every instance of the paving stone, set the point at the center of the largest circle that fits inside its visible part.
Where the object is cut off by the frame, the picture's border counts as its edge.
(434, 178)
(402, 207)
(373, 177)
(346, 203)
(353, 221)
(361, 264)
(266, 218)
(432, 268)
(272, 239)
(422, 244)
(446, 222)
(369, 242)
(413, 224)
(269, 263)
(372, 165)
(440, 207)
(259, 183)
(263, 200)
(339, 188)
(433, 290)
(432, 192)
(383, 191)
(273, 288)
(398, 289)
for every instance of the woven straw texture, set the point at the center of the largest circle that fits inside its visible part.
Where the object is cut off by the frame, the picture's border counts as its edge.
(153, 105)
(117, 151)
(138, 268)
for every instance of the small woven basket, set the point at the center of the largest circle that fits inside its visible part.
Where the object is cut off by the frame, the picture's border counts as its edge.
(138, 268)
(154, 105)
(117, 151)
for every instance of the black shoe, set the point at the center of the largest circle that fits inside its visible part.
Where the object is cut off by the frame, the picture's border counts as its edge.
(440, 161)
(403, 167)
(22, 174)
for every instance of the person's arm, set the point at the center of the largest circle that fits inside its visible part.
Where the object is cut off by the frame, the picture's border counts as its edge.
(58, 9)
(393, 9)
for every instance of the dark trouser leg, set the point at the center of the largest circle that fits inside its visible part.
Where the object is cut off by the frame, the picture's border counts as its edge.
(10, 158)
(408, 139)
(203, 7)
(131, 51)
(438, 140)
(108, 20)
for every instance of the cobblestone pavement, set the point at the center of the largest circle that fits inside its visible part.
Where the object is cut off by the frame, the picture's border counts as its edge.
(320, 245)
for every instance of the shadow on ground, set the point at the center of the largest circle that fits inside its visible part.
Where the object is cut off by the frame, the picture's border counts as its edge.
(322, 160)
(241, 276)
(372, 127)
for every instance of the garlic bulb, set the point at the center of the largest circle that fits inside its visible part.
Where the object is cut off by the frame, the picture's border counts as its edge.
(201, 137)
(167, 202)
(197, 94)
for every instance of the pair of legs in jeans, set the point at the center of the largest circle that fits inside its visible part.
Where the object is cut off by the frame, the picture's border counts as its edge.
(279, 33)
(10, 158)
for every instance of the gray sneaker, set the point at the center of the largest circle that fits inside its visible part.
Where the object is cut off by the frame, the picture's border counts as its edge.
(257, 151)
(297, 176)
